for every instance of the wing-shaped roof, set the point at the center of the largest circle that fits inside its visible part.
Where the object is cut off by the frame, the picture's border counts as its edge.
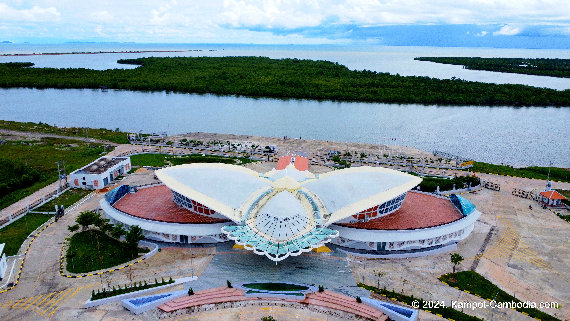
(352, 190)
(221, 187)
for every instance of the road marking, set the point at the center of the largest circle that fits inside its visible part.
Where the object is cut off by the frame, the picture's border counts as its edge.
(24, 303)
(16, 303)
(54, 303)
(29, 305)
(49, 294)
(67, 298)
(5, 305)
(48, 302)
(59, 299)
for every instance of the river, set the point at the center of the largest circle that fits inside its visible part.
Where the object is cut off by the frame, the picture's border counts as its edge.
(514, 136)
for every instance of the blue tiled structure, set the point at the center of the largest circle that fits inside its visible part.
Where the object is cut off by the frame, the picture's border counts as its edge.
(462, 204)
(115, 194)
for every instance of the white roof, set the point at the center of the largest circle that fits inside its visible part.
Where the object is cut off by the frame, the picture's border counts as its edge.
(235, 191)
(282, 217)
(349, 191)
(220, 187)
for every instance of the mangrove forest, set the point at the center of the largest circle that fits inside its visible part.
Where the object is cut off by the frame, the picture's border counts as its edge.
(280, 78)
(552, 67)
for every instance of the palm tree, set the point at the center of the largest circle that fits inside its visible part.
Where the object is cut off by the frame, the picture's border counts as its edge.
(456, 259)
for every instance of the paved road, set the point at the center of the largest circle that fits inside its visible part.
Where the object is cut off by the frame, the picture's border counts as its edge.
(40, 135)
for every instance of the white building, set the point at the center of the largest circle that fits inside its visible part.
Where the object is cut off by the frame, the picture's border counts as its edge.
(3, 263)
(100, 173)
(369, 211)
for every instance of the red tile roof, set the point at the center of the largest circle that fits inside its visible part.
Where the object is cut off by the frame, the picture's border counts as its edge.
(301, 163)
(418, 211)
(553, 195)
(155, 203)
(283, 162)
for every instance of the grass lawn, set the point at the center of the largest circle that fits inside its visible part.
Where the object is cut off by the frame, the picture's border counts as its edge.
(66, 199)
(556, 174)
(160, 160)
(42, 155)
(114, 136)
(430, 184)
(16, 233)
(93, 250)
(155, 160)
(473, 282)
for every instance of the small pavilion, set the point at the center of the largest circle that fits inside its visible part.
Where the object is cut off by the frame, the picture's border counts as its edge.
(552, 198)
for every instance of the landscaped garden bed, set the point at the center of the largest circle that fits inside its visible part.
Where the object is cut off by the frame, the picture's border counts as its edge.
(444, 311)
(93, 250)
(474, 283)
(107, 293)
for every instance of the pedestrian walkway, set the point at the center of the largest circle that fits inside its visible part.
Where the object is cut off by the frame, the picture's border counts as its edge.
(511, 245)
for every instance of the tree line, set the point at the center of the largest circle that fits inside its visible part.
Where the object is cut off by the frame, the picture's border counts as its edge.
(552, 67)
(281, 78)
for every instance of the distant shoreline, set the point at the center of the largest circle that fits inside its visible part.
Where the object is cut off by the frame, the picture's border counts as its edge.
(95, 52)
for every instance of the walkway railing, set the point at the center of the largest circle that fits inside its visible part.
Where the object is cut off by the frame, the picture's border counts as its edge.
(19, 213)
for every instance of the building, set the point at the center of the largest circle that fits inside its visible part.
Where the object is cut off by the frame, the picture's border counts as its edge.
(370, 211)
(100, 173)
(3, 263)
(552, 198)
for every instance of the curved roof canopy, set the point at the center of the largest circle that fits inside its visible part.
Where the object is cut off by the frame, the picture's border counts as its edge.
(221, 187)
(284, 212)
(235, 191)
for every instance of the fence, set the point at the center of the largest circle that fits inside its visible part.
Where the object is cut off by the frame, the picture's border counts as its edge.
(36, 203)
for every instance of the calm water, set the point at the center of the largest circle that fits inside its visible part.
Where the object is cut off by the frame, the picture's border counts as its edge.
(515, 136)
(395, 60)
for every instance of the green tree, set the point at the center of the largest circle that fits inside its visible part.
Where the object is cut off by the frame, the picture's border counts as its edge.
(73, 228)
(133, 236)
(456, 259)
(117, 231)
(88, 218)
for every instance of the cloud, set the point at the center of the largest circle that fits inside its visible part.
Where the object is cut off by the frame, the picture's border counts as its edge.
(507, 30)
(34, 14)
(279, 21)
(102, 16)
(271, 14)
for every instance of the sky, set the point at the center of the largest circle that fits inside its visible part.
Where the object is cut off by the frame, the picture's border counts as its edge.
(463, 23)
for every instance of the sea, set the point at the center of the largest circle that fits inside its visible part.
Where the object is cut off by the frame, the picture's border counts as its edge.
(517, 136)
